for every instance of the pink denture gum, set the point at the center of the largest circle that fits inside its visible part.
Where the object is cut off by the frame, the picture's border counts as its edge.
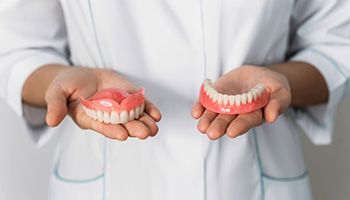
(115, 106)
(214, 101)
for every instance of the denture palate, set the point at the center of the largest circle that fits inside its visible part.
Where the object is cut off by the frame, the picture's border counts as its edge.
(114, 106)
(249, 101)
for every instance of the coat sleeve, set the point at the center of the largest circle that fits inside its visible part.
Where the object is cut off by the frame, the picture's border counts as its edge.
(320, 35)
(32, 34)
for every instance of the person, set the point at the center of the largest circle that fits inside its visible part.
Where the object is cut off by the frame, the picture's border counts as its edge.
(53, 52)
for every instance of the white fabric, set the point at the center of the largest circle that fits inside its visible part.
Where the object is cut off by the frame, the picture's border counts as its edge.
(32, 34)
(322, 38)
(169, 47)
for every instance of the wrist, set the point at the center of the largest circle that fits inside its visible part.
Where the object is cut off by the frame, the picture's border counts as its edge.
(307, 84)
(34, 88)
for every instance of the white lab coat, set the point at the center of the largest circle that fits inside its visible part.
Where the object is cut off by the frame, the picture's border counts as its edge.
(169, 47)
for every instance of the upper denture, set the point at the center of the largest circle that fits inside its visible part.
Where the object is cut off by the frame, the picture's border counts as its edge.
(114, 105)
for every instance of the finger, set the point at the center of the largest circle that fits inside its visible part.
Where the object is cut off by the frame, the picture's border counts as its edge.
(278, 102)
(272, 110)
(56, 101)
(137, 129)
(197, 110)
(205, 120)
(152, 111)
(244, 122)
(149, 123)
(111, 131)
(219, 126)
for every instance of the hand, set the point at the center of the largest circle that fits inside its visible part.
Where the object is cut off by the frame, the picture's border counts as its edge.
(238, 81)
(62, 98)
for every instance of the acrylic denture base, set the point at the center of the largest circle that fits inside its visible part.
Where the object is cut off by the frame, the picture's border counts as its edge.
(114, 106)
(217, 102)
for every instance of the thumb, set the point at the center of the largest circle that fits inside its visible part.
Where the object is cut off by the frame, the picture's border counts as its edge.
(278, 103)
(56, 101)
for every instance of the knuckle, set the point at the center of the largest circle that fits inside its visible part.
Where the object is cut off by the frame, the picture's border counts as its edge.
(223, 119)
(244, 122)
(258, 115)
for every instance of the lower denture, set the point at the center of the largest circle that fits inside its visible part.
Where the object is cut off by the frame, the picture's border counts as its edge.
(254, 99)
(114, 106)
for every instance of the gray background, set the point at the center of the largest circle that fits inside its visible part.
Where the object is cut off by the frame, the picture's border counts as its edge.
(24, 169)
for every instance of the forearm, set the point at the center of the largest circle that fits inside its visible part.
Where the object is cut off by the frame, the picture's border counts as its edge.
(308, 87)
(33, 92)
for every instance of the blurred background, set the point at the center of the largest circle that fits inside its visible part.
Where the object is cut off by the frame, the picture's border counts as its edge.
(24, 169)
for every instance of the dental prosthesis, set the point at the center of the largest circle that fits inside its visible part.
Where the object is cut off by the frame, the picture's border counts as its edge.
(114, 106)
(214, 101)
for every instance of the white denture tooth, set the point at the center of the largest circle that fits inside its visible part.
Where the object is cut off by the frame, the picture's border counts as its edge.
(142, 108)
(220, 98)
(115, 118)
(137, 112)
(84, 108)
(215, 96)
(87, 111)
(244, 98)
(106, 118)
(207, 92)
(225, 99)
(93, 114)
(131, 115)
(210, 92)
(208, 81)
(238, 100)
(99, 116)
(124, 116)
(231, 99)
(249, 97)
(260, 87)
(254, 93)
(261, 91)
(258, 91)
